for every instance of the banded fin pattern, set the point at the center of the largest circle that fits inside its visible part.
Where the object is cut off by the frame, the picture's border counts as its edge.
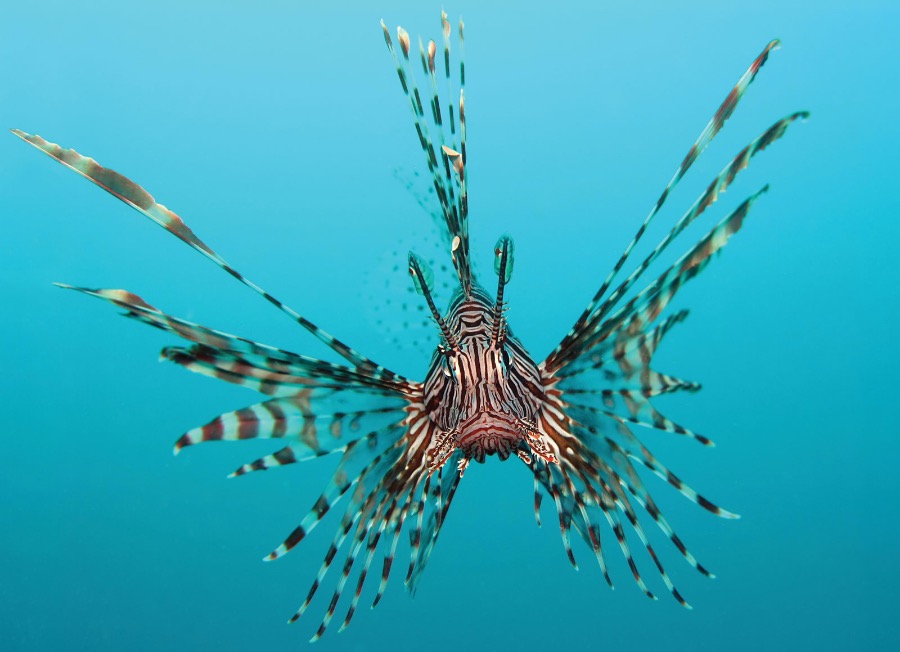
(387, 493)
(599, 380)
(582, 338)
(142, 201)
(217, 349)
(568, 419)
(299, 419)
(443, 146)
(712, 128)
(372, 417)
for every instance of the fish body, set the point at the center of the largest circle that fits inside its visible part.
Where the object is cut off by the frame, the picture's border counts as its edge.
(405, 444)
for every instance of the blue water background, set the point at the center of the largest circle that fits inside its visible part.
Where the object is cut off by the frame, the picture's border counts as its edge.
(274, 129)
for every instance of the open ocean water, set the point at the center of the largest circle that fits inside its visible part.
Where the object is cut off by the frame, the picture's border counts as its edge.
(278, 131)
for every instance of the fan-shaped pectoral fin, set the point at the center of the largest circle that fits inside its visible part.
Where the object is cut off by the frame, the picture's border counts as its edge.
(443, 448)
(537, 442)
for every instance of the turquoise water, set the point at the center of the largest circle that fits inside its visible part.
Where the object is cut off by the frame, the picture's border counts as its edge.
(277, 132)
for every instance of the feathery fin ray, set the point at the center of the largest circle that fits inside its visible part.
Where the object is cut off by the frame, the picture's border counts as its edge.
(592, 388)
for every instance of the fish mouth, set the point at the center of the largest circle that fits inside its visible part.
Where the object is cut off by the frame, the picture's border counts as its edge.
(490, 433)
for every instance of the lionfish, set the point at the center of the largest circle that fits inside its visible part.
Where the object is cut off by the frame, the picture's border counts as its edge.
(405, 444)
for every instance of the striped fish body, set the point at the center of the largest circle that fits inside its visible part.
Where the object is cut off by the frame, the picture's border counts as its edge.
(569, 418)
(483, 395)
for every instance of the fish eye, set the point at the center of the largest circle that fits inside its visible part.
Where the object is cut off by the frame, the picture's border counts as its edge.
(504, 359)
(447, 366)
